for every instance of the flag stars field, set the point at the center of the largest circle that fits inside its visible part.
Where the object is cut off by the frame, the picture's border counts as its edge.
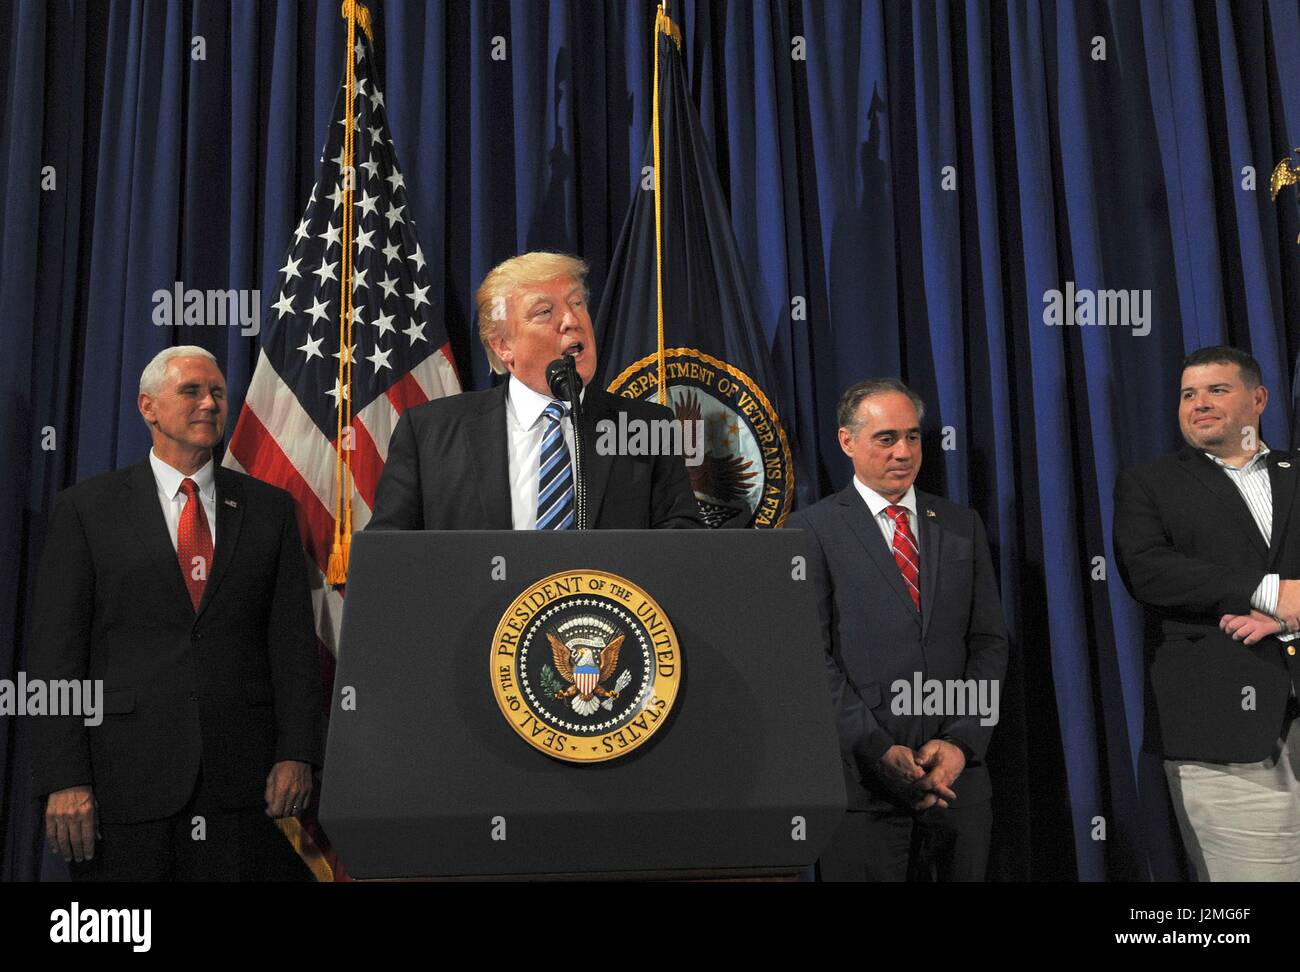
(390, 289)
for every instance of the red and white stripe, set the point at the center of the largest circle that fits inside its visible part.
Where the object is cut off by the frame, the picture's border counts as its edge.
(276, 441)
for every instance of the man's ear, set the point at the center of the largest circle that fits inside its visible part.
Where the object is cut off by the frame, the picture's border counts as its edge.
(501, 347)
(145, 404)
(1261, 398)
(846, 442)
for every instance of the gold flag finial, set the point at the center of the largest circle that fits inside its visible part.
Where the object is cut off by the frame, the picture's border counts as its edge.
(1286, 174)
(665, 25)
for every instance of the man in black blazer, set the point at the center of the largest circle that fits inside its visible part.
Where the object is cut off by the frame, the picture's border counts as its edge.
(205, 647)
(1208, 540)
(907, 600)
(502, 459)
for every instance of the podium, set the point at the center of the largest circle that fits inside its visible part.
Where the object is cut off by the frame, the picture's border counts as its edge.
(427, 776)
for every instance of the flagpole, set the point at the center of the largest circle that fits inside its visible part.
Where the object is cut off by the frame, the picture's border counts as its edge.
(660, 16)
(663, 25)
(337, 568)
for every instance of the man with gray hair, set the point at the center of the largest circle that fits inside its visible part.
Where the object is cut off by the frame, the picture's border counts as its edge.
(182, 587)
(502, 459)
(907, 602)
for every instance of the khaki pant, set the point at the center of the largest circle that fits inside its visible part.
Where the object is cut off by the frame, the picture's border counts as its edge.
(1241, 821)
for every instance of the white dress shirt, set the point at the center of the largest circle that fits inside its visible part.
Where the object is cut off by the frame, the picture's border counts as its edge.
(877, 504)
(173, 500)
(525, 429)
(1251, 480)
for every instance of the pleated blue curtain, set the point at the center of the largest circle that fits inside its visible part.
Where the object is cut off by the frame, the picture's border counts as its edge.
(906, 182)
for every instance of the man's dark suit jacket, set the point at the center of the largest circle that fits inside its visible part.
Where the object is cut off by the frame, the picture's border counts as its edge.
(1190, 552)
(238, 683)
(448, 469)
(873, 634)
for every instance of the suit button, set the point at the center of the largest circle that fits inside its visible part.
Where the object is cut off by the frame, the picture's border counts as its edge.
(194, 696)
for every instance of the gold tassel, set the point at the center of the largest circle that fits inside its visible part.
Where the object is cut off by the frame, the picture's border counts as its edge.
(362, 15)
(336, 571)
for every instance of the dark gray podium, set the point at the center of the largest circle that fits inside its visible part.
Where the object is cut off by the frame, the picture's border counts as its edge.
(425, 777)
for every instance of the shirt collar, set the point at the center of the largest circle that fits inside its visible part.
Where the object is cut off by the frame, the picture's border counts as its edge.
(877, 503)
(169, 478)
(527, 405)
(1257, 457)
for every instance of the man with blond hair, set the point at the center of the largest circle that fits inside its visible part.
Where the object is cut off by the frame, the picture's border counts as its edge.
(181, 587)
(502, 459)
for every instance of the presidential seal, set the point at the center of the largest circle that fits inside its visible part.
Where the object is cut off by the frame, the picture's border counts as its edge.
(585, 666)
(746, 476)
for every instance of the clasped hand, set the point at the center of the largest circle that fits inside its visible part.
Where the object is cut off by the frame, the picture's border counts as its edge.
(1250, 628)
(924, 777)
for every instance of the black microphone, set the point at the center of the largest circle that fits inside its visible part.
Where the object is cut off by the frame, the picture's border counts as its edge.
(566, 384)
(563, 379)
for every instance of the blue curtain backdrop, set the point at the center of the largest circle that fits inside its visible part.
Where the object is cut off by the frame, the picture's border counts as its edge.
(128, 161)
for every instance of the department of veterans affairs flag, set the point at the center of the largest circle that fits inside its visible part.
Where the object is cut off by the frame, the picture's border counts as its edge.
(717, 363)
(287, 432)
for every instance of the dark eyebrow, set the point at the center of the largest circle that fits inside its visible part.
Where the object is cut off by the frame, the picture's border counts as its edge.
(914, 428)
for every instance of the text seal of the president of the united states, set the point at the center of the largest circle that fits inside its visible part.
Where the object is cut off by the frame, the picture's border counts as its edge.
(585, 666)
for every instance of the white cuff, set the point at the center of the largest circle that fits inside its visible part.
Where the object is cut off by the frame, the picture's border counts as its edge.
(1265, 596)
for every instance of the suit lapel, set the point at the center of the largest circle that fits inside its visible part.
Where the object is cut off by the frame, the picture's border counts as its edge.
(1282, 478)
(596, 468)
(147, 517)
(230, 517)
(1212, 478)
(488, 452)
(858, 516)
(931, 541)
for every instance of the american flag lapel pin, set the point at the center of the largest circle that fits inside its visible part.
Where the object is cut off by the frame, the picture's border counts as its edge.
(231, 503)
(929, 512)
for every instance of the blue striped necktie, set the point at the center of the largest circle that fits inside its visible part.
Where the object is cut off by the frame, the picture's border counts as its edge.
(555, 506)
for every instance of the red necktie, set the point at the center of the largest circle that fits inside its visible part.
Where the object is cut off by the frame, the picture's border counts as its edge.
(194, 543)
(906, 553)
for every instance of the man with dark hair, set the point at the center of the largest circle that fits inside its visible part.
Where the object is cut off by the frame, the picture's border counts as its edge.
(1207, 541)
(906, 596)
(1251, 376)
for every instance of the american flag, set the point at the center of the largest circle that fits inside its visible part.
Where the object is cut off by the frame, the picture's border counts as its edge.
(288, 429)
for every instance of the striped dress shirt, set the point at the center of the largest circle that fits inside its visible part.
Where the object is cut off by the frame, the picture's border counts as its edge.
(1251, 480)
